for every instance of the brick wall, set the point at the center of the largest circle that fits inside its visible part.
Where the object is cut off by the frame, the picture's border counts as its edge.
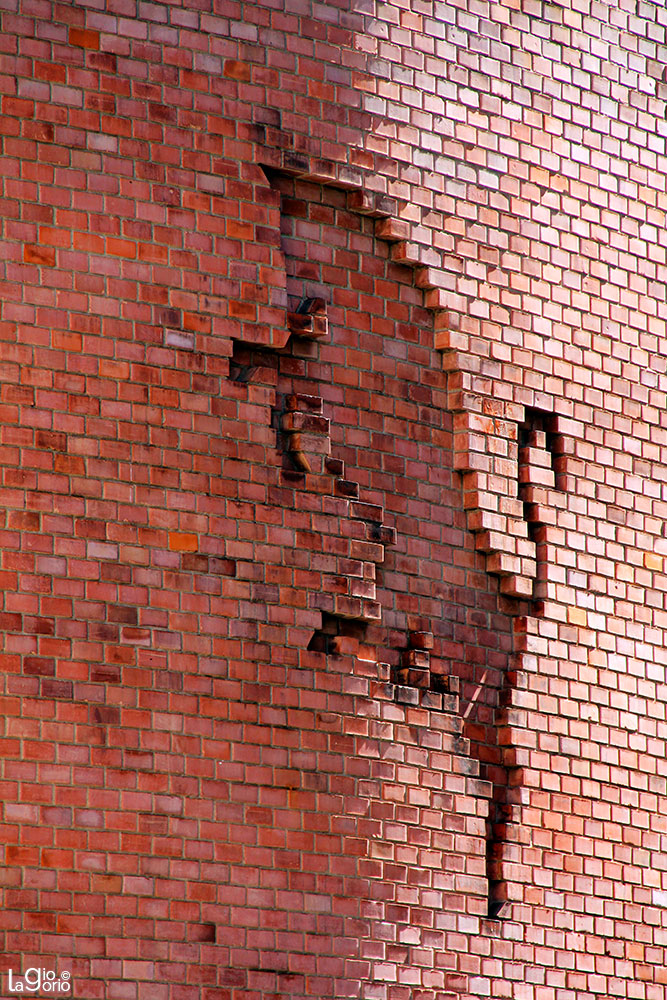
(333, 377)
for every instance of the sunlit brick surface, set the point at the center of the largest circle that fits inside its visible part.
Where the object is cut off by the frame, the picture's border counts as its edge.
(333, 379)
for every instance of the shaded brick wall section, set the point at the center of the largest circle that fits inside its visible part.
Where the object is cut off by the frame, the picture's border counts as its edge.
(279, 810)
(229, 767)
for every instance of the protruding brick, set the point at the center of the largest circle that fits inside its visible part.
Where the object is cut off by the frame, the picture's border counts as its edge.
(84, 38)
(183, 541)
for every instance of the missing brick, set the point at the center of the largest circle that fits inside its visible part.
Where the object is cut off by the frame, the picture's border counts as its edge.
(541, 447)
(423, 675)
(252, 363)
(337, 636)
(309, 319)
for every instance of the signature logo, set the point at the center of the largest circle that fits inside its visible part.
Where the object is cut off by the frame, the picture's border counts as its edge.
(39, 980)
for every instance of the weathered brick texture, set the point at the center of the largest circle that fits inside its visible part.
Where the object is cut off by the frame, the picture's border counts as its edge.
(333, 380)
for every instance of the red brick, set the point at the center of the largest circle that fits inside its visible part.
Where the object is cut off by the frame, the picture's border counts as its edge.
(236, 70)
(39, 255)
(87, 39)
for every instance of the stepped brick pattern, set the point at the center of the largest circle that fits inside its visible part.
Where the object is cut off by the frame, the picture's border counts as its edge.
(333, 503)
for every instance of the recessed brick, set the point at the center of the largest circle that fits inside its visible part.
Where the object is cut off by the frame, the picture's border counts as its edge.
(183, 542)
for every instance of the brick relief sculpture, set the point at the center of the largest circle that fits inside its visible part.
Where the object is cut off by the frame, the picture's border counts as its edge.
(332, 475)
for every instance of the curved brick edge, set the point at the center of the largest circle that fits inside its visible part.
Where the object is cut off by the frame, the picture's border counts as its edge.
(305, 436)
(483, 426)
(515, 505)
(410, 692)
(486, 426)
(509, 493)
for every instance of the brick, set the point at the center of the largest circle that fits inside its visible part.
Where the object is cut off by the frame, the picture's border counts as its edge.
(87, 39)
(236, 70)
(180, 541)
(45, 256)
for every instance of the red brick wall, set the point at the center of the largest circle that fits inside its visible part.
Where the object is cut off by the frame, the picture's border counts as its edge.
(332, 382)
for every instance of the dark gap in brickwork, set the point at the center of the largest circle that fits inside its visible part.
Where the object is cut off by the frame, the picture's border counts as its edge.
(542, 462)
(326, 638)
(540, 428)
(556, 444)
(496, 826)
(533, 526)
(541, 468)
(250, 362)
(493, 770)
(537, 441)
